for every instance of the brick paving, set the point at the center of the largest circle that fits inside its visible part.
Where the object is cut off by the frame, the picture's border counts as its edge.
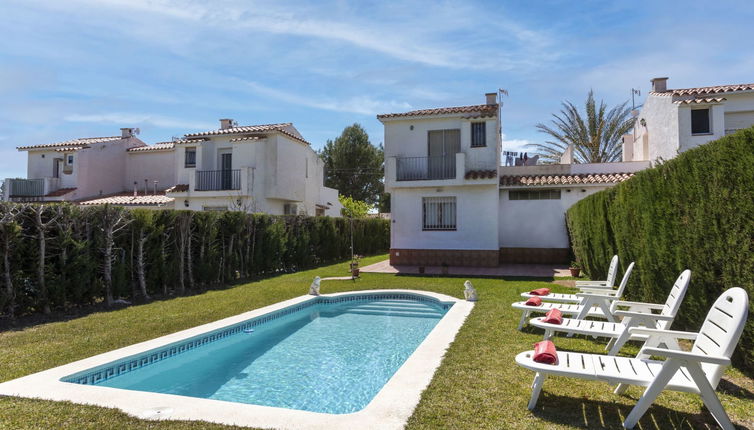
(532, 270)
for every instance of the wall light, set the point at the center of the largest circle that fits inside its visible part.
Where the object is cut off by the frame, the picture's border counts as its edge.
(185, 203)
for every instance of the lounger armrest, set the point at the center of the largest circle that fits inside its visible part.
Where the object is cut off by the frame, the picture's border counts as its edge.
(684, 355)
(594, 284)
(640, 304)
(643, 315)
(602, 291)
(655, 331)
(598, 296)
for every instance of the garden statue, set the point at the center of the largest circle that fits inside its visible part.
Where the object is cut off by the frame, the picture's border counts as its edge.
(469, 292)
(314, 287)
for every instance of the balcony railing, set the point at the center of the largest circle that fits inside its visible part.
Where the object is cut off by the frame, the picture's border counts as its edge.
(425, 168)
(217, 180)
(27, 187)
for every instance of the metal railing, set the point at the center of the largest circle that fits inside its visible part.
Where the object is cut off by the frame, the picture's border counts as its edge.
(425, 168)
(26, 187)
(216, 180)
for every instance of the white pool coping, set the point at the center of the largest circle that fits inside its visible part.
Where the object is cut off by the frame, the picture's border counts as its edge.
(390, 408)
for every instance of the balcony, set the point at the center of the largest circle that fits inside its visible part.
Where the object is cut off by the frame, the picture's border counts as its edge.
(425, 168)
(218, 180)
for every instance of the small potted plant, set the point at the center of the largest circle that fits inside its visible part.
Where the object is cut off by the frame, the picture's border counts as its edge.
(355, 266)
(444, 268)
(575, 269)
(421, 269)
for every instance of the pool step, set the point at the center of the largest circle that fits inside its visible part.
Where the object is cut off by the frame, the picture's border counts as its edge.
(396, 308)
(392, 313)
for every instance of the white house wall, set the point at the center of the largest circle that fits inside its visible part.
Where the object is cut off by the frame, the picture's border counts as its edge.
(476, 219)
(686, 139)
(152, 166)
(661, 118)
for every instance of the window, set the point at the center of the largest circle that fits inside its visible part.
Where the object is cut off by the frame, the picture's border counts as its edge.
(439, 213)
(478, 134)
(190, 157)
(70, 160)
(534, 195)
(700, 123)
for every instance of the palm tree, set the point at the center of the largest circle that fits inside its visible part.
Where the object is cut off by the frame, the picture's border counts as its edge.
(596, 137)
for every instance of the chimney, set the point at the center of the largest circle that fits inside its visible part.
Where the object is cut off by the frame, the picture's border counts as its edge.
(659, 85)
(491, 98)
(125, 133)
(226, 123)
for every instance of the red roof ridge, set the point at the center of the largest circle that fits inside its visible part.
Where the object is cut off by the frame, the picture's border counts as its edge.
(484, 109)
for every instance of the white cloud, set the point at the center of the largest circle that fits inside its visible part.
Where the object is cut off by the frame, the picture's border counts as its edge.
(515, 144)
(360, 104)
(127, 119)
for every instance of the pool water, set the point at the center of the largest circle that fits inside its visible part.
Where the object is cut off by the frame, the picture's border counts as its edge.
(329, 357)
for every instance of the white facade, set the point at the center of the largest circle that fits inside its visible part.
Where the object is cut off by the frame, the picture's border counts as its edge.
(269, 169)
(510, 214)
(663, 127)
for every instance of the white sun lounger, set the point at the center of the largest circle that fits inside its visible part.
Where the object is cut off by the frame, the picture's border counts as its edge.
(640, 314)
(697, 371)
(612, 272)
(576, 298)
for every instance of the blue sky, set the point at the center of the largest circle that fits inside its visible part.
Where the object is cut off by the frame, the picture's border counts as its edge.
(78, 68)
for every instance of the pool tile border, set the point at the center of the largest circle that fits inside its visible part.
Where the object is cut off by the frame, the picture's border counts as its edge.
(129, 364)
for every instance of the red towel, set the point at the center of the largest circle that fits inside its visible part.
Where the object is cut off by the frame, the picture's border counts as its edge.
(534, 301)
(553, 316)
(540, 292)
(545, 352)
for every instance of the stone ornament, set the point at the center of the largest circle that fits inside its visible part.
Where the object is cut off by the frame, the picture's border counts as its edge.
(469, 292)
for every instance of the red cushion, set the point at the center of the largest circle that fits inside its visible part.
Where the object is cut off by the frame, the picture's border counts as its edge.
(540, 292)
(534, 301)
(553, 316)
(545, 352)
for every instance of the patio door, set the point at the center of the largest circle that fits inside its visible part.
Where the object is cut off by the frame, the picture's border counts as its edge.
(56, 164)
(443, 145)
(226, 172)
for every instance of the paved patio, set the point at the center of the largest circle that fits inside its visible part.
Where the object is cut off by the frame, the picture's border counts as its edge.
(533, 270)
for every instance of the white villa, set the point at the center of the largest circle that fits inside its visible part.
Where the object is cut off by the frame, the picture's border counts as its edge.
(452, 202)
(675, 120)
(260, 168)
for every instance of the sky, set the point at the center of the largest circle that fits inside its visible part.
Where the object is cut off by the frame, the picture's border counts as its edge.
(81, 68)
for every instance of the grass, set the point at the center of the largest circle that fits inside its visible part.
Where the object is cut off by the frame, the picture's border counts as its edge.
(477, 386)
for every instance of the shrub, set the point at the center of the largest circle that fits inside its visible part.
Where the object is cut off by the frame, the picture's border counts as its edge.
(695, 211)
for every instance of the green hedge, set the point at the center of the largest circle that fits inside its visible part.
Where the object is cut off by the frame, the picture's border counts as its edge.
(695, 211)
(181, 251)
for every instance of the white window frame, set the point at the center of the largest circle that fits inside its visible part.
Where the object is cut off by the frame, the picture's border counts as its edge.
(709, 121)
(439, 213)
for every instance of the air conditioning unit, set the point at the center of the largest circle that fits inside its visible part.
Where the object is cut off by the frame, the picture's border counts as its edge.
(290, 209)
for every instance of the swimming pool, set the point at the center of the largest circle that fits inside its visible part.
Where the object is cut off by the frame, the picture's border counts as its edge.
(333, 361)
(329, 355)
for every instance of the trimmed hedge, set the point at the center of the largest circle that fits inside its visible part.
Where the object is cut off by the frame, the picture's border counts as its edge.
(695, 211)
(181, 251)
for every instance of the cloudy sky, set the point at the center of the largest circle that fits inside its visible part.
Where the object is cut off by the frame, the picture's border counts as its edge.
(78, 68)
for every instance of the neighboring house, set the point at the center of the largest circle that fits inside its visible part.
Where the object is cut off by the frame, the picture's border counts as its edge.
(452, 202)
(75, 169)
(674, 120)
(259, 168)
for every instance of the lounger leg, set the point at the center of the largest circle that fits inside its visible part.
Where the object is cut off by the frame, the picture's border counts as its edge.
(610, 344)
(711, 401)
(620, 389)
(548, 334)
(618, 343)
(650, 394)
(524, 316)
(536, 388)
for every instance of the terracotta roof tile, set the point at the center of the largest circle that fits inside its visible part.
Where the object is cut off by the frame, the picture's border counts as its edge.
(126, 199)
(183, 141)
(709, 90)
(70, 148)
(60, 192)
(161, 146)
(180, 188)
(243, 129)
(240, 139)
(480, 110)
(481, 174)
(707, 100)
(586, 178)
(73, 142)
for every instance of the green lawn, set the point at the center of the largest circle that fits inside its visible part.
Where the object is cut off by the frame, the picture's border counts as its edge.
(478, 386)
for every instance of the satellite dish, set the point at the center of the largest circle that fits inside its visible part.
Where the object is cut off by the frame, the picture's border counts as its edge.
(137, 130)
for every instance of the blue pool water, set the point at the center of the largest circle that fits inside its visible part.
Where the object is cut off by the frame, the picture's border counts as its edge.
(327, 357)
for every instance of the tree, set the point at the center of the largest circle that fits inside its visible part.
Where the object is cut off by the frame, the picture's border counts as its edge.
(354, 166)
(42, 225)
(112, 220)
(595, 136)
(354, 208)
(10, 231)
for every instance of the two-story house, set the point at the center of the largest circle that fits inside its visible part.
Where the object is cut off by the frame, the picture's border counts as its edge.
(674, 120)
(258, 168)
(75, 169)
(452, 202)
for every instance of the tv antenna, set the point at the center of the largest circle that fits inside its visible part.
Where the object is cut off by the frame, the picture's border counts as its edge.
(634, 92)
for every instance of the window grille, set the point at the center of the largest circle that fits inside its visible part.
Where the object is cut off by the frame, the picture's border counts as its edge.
(190, 157)
(439, 213)
(478, 134)
(534, 195)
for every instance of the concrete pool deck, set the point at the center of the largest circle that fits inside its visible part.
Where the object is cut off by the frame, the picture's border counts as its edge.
(389, 409)
(525, 270)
